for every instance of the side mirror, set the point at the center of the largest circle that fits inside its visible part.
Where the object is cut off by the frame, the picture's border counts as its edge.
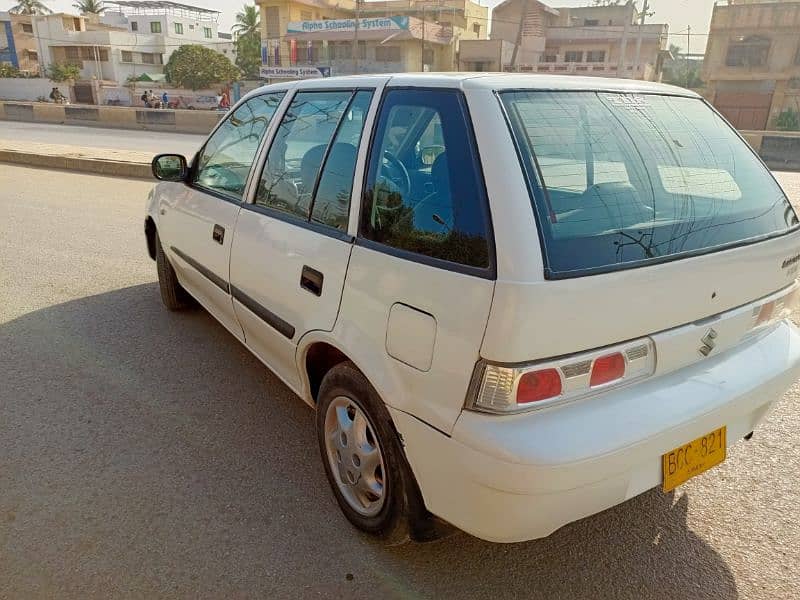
(170, 167)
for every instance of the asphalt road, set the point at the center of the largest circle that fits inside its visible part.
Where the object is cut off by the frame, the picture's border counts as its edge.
(99, 137)
(145, 454)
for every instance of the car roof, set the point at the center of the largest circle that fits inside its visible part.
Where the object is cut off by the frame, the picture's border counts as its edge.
(487, 81)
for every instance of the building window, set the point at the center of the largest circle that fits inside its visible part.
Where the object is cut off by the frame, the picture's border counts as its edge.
(387, 53)
(476, 29)
(305, 15)
(272, 16)
(549, 58)
(591, 22)
(147, 58)
(751, 51)
(179, 28)
(344, 50)
(27, 28)
(596, 56)
(127, 56)
(573, 56)
(155, 26)
(207, 32)
(134, 26)
(72, 53)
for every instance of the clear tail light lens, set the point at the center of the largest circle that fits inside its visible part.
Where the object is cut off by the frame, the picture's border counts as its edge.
(776, 310)
(511, 389)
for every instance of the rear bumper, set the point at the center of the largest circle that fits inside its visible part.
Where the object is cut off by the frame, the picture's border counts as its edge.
(515, 478)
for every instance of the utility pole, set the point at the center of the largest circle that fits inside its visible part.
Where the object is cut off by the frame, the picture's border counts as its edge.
(422, 58)
(644, 13)
(688, 40)
(355, 37)
(622, 70)
(515, 53)
(642, 16)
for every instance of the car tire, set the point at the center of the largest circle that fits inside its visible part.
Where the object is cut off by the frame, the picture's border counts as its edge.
(346, 392)
(173, 295)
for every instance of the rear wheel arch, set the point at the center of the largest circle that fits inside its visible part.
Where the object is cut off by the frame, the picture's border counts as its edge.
(319, 358)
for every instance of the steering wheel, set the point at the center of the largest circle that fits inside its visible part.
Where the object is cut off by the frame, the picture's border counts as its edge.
(394, 175)
(221, 176)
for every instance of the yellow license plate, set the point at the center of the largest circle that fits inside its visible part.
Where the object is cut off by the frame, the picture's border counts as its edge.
(698, 456)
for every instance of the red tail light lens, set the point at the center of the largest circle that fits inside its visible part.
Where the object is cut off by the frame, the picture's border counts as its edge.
(538, 385)
(607, 369)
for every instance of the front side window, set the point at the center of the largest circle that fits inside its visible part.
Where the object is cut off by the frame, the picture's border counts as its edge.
(155, 27)
(207, 32)
(298, 150)
(620, 180)
(179, 28)
(134, 26)
(573, 56)
(424, 193)
(224, 163)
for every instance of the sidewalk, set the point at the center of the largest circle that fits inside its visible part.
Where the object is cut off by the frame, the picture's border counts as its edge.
(102, 161)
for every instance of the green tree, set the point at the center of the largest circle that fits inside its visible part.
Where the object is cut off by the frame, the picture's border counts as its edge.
(681, 71)
(86, 7)
(196, 67)
(29, 7)
(248, 21)
(61, 72)
(788, 120)
(7, 70)
(248, 53)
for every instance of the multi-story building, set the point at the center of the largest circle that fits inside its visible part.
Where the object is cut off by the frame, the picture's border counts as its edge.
(530, 36)
(131, 40)
(17, 44)
(752, 64)
(396, 35)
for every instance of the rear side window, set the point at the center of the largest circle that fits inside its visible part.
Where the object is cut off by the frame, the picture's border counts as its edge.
(621, 180)
(298, 149)
(424, 194)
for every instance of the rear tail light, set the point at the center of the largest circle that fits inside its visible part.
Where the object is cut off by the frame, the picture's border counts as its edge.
(535, 386)
(607, 369)
(776, 310)
(511, 389)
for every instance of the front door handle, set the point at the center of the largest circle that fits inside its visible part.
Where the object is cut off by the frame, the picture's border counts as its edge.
(311, 280)
(218, 234)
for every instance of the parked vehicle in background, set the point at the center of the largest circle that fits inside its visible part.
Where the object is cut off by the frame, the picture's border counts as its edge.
(514, 301)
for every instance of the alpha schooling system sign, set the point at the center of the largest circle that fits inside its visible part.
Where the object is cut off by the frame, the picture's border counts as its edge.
(295, 72)
(344, 25)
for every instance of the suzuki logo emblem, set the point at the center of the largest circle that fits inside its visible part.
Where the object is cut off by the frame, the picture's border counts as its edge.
(709, 342)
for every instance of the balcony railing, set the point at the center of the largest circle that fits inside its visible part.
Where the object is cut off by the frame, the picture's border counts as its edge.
(604, 69)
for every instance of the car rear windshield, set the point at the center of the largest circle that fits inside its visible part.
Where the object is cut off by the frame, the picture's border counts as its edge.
(623, 180)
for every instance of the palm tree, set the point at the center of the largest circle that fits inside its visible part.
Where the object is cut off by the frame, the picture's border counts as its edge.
(89, 6)
(248, 21)
(30, 7)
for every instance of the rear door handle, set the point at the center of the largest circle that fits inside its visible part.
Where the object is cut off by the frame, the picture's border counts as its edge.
(218, 234)
(311, 280)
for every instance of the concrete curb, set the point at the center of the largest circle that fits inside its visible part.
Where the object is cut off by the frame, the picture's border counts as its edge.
(112, 168)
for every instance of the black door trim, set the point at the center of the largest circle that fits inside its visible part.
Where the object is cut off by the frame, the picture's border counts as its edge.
(266, 315)
(204, 271)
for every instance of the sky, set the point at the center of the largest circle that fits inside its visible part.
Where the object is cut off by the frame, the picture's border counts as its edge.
(679, 14)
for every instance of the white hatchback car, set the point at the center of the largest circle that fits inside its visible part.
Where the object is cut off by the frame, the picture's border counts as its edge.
(515, 301)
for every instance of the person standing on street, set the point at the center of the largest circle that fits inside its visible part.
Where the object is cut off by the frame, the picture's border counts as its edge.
(165, 100)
